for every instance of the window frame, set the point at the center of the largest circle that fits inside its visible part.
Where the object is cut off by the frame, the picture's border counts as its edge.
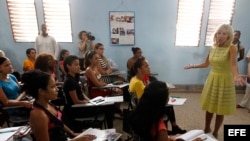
(53, 26)
(205, 30)
(15, 25)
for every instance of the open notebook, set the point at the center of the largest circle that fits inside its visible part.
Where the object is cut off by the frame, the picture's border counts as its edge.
(192, 135)
(176, 100)
(102, 135)
(97, 100)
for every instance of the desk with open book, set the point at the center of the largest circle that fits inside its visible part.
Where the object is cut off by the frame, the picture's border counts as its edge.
(102, 135)
(8, 134)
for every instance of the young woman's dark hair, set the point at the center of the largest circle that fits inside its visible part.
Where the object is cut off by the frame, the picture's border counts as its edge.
(29, 50)
(63, 51)
(2, 59)
(135, 49)
(68, 61)
(150, 109)
(30, 84)
(89, 55)
(138, 64)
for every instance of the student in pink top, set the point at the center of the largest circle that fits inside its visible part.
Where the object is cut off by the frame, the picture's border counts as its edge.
(63, 54)
(45, 119)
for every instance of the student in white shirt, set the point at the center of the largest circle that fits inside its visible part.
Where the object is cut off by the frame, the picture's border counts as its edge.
(245, 102)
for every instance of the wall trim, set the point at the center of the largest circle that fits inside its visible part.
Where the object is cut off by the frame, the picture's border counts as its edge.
(198, 89)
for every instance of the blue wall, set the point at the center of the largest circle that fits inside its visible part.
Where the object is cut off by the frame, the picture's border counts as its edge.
(154, 32)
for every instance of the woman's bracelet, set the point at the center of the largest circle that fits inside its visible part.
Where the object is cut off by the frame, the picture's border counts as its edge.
(192, 66)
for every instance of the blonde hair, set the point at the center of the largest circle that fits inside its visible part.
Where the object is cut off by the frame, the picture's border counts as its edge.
(2, 54)
(230, 33)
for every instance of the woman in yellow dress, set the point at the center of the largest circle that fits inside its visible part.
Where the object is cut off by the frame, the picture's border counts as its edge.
(219, 95)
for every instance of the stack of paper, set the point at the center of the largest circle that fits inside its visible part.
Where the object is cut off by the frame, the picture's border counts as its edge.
(176, 101)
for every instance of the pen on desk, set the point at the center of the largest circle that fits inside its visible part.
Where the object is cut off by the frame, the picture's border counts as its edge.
(173, 100)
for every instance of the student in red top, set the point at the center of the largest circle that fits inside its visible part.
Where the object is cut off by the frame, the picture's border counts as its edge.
(147, 120)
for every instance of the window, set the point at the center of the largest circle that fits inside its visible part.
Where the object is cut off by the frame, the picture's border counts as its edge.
(57, 19)
(23, 20)
(189, 20)
(220, 11)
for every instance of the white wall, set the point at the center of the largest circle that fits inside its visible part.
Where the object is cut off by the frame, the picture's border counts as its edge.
(154, 32)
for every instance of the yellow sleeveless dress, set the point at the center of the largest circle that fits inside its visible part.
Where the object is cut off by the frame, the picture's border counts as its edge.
(219, 95)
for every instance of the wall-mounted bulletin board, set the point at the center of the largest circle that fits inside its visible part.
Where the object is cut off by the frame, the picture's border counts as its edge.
(122, 27)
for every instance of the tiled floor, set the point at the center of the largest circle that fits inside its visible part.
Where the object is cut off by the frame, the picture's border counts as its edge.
(191, 116)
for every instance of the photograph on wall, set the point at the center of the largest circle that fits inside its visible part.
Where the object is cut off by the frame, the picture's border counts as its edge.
(122, 27)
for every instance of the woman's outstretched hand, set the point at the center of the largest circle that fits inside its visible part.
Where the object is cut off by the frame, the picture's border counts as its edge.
(189, 66)
(239, 80)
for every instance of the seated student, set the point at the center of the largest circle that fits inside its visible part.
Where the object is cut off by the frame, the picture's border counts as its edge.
(94, 77)
(45, 119)
(63, 54)
(94, 80)
(139, 72)
(46, 63)
(9, 87)
(114, 67)
(137, 53)
(147, 119)
(9, 92)
(104, 67)
(74, 95)
(29, 62)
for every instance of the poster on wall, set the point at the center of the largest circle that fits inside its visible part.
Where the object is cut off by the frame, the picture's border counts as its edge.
(122, 27)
